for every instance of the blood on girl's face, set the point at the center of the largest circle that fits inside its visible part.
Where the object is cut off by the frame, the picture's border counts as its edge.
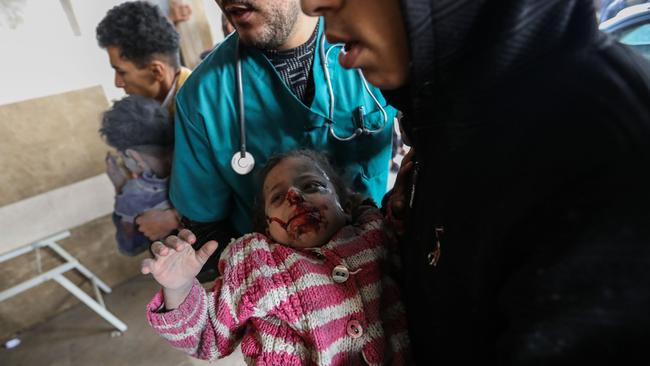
(301, 204)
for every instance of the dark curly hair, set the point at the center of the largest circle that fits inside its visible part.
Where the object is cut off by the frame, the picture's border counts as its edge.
(137, 121)
(141, 32)
(347, 199)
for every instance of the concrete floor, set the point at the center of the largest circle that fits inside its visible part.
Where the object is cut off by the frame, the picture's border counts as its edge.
(80, 337)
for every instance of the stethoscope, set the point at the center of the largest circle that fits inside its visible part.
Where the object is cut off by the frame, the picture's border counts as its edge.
(243, 161)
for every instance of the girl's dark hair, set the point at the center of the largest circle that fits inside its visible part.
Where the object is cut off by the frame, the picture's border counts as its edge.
(320, 159)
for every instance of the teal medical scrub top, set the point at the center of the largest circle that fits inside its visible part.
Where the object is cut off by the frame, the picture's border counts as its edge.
(205, 188)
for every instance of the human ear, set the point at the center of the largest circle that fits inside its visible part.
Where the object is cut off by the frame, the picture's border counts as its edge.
(157, 69)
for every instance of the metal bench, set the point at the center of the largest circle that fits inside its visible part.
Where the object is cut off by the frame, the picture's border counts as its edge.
(41, 221)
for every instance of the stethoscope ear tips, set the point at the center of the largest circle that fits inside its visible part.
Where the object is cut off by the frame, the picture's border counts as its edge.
(242, 165)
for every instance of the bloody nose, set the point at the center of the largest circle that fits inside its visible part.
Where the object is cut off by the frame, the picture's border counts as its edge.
(294, 197)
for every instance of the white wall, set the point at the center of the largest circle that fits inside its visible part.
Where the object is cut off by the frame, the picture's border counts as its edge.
(214, 18)
(42, 56)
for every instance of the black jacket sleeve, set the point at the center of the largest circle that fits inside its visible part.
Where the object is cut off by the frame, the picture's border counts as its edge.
(221, 231)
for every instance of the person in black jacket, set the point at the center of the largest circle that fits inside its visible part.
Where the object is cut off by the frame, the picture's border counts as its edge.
(529, 233)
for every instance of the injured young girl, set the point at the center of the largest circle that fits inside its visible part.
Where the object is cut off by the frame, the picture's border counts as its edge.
(315, 286)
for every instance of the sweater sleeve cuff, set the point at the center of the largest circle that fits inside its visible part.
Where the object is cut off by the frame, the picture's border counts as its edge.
(186, 312)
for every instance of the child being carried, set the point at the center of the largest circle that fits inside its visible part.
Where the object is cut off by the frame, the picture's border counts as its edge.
(314, 286)
(140, 130)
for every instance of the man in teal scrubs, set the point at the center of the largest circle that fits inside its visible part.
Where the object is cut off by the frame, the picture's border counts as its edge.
(287, 105)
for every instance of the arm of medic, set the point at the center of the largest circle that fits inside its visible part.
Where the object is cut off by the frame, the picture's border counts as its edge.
(191, 143)
(157, 224)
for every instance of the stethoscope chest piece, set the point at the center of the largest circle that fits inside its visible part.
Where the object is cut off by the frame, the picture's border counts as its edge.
(242, 165)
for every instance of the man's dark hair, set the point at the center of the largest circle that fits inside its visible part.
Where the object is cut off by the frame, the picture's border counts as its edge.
(141, 32)
(137, 121)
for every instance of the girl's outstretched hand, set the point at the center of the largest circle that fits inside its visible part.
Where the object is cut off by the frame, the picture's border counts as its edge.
(176, 263)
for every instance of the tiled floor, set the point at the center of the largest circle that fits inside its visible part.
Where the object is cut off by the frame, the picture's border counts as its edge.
(81, 337)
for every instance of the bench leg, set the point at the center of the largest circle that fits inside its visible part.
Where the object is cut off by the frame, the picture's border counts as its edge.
(81, 295)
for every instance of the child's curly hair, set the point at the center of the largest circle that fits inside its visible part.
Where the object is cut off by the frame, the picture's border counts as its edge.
(348, 199)
(137, 121)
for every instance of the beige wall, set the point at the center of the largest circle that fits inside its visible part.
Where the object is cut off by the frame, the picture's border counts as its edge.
(50, 142)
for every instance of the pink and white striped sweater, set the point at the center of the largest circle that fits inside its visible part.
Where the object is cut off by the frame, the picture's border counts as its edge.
(333, 305)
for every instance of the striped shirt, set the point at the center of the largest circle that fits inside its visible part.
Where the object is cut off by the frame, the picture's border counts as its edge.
(294, 67)
(332, 305)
